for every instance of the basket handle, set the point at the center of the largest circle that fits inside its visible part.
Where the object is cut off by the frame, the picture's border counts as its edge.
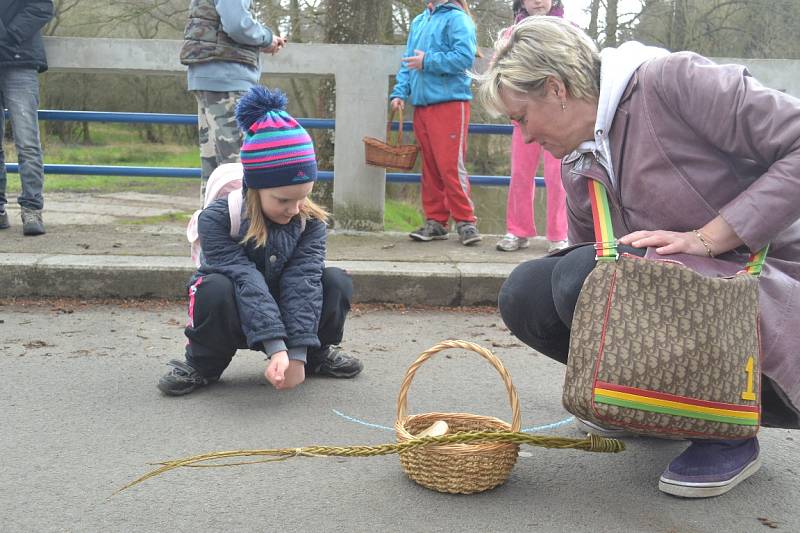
(465, 345)
(399, 136)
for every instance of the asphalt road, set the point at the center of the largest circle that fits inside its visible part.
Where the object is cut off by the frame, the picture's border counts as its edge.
(81, 417)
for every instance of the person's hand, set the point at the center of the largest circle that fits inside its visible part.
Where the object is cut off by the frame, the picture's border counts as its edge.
(398, 103)
(276, 369)
(294, 375)
(277, 44)
(666, 242)
(416, 61)
(283, 373)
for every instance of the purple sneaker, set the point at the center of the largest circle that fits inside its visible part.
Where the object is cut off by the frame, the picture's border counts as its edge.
(710, 468)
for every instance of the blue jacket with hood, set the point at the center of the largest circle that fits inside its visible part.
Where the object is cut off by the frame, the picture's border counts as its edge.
(447, 36)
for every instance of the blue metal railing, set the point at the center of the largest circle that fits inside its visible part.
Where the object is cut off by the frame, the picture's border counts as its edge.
(191, 120)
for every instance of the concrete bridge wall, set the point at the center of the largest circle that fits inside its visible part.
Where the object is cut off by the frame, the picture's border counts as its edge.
(361, 74)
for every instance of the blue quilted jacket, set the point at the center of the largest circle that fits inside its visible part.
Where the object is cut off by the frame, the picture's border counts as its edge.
(278, 287)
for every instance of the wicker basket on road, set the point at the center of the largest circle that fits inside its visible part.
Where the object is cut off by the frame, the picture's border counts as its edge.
(387, 155)
(462, 468)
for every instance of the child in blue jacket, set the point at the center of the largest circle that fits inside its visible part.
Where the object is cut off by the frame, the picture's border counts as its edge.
(441, 47)
(268, 289)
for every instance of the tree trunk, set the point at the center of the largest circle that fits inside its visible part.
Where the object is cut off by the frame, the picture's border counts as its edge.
(611, 24)
(595, 10)
(677, 39)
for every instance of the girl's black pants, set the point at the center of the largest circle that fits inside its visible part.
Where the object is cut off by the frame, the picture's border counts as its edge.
(217, 333)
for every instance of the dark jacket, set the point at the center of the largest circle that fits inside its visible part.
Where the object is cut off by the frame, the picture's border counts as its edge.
(21, 22)
(279, 287)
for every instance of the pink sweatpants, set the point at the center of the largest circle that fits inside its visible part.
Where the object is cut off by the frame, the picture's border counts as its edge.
(519, 213)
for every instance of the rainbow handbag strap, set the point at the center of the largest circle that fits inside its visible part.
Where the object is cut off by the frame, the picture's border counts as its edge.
(606, 245)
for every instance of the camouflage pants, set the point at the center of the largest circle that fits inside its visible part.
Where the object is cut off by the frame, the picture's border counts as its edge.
(220, 137)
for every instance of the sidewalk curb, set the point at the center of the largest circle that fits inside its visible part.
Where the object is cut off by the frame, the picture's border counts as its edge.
(114, 276)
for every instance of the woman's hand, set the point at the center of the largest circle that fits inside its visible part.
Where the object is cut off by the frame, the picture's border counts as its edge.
(666, 242)
(715, 238)
(398, 103)
(283, 373)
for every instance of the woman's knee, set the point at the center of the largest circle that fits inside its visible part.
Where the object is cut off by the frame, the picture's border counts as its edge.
(524, 292)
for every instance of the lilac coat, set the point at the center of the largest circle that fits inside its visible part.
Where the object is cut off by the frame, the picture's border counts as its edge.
(692, 140)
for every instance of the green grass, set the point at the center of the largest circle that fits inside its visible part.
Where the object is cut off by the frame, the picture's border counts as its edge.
(119, 145)
(400, 216)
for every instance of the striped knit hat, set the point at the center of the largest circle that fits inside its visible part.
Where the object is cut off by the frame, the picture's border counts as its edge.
(276, 151)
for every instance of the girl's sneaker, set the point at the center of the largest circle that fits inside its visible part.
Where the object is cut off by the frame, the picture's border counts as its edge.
(468, 233)
(182, 379)
(334, 362)
(710, 468)
(512, 243)
(431, 231)
(557, 245)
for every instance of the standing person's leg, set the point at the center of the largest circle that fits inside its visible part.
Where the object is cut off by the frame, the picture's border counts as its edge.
(329, 359)
(447, 130)
(520, 224)
(21, 96)
(208, 158)
(435, 209)
(214, 333)
(220, 136)
(556, 202)
(3, 176)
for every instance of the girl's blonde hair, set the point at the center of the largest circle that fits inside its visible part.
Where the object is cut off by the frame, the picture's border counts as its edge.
(257, 232)
(536, 49)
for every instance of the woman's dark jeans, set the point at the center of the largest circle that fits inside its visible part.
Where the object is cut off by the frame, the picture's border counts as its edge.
(538, 300)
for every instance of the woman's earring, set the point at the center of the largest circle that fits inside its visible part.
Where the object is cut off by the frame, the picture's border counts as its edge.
(563, 106)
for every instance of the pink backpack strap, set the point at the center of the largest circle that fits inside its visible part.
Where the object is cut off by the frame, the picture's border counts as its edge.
(235, 211)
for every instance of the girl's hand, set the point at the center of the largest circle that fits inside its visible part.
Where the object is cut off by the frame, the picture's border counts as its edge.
(666, 242)
(416, 61)
(284, 373)
(276, 369)
(294, 375)
(398, 103)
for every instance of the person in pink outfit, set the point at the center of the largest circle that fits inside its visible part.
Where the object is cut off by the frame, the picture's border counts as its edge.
(525, 159)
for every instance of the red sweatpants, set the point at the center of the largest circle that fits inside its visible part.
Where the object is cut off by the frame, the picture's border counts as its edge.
(441, 131)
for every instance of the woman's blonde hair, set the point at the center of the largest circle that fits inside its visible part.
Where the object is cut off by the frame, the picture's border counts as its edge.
(538, 48)
(257, 232)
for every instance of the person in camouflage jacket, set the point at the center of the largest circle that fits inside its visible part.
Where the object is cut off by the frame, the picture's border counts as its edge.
(222, 43)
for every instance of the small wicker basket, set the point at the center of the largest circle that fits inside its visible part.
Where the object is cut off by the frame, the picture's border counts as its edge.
(461, 468)
(387, 155)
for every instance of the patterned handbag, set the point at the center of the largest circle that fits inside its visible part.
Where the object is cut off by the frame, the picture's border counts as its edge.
(659, 349)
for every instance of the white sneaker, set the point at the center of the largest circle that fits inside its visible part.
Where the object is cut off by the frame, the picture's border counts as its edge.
(557, 245)
(512, 243)
(584, 426)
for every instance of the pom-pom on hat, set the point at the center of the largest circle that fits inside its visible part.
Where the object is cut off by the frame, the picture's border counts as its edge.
(276, 151)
